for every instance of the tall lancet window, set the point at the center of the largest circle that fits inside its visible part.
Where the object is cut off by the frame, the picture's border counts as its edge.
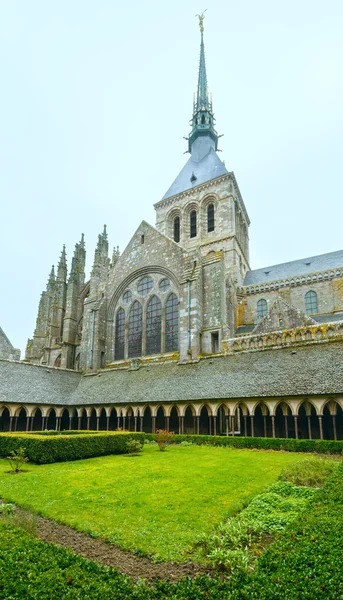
(311, 303)
(119, 348)
(210, 217)
(193, 224)
(135, 330)
(177, 229)
(172, 324)
(153, 326)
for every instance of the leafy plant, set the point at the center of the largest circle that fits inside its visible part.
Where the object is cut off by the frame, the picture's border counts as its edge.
(17, 459)
(6, 509)
(134, 447)
(163, 438)
(310, 472)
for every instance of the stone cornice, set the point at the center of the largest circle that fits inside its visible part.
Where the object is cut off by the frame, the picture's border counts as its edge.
(277, 284)
(190, 192)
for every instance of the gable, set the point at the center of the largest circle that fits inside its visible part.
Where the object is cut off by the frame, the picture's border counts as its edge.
(282, 316)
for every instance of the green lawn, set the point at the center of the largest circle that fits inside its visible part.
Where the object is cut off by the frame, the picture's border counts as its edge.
(156, 503)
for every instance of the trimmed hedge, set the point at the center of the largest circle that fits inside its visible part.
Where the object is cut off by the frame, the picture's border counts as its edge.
(289, 444)
(49, 449)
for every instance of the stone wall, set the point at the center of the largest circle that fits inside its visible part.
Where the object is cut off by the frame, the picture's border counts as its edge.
(6, 349)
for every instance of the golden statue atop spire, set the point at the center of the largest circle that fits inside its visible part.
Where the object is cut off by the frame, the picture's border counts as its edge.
(201, 20)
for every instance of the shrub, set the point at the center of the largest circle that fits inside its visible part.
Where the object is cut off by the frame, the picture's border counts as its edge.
(17, 459)
(6, 509)
(49, 449)
(163, 438)
(134, 447)
(311, 472)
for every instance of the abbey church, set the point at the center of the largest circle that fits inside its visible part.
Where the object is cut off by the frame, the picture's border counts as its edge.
(177, 332)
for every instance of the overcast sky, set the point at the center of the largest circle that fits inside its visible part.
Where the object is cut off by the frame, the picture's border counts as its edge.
(96, 97)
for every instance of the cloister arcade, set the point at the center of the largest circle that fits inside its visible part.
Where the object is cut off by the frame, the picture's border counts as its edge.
(316, 418)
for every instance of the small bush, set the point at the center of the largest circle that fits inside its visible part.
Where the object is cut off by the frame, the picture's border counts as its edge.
(134, 447)
(310, 472)
(6, 509)
(163, 438)
(17, 459)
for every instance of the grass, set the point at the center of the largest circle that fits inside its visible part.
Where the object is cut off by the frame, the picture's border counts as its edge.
(156, 503)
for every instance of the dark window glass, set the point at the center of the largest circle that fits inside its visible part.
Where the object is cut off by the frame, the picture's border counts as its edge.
(262, 309)
(119, 347)
(127, 296)
(153, 326)
(145, 285)
(311, 303)
(177, 229)
(164, 284)
(172, 324)
(210, 217)
(193, 224)
(135, 330)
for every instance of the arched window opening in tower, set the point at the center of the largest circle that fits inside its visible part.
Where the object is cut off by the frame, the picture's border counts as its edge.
(210, 217)
(135, 330)
(172, 324)
(311, 303)
(177, 229)
(153, 326)
(193, 224)
(262, 309)
(119, 348)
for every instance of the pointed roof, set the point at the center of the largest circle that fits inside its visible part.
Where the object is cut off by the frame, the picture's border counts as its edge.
(204, 163)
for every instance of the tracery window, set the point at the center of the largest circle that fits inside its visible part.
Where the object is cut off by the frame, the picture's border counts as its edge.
(176, 227)
(210, 217)
(164, 284)
(119, 348)
(311, 303)
(153, 326)
(135, 329)
(172, 324)
(193, 224)
(145, 285)
(127, 296)
(262, 308)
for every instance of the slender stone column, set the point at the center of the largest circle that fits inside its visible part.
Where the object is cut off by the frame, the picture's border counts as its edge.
(245, 426)
(209, 425)
(10, 428)
(296, 426)
(198, 425)
(31, 425)
(265, 425)
(167, 423)
(15, 423)
(70, 422)
(273, 426)
(97, 423)
(124, 422)
(214, 425)
(233, 425)
(227, 424)
(135, 420)
(141, 422)
(118, 422)
(79, 422)
(107, 423)
(320, 419)
(181, 425)
(334, 427)
(252, 425)
(58, 423)
(286, 425)
(309, 428)
(88, 422)
(28, 423)
(153, 419)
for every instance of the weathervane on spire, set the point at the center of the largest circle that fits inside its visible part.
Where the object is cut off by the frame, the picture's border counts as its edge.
(201, 20)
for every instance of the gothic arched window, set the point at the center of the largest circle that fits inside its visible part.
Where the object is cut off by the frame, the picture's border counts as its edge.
(119, 347)
(153, 326)
(262, 309)
(135, 330)
(311, 303)
(172, 324)
(193, 224)
(210, 217)
(176, 227)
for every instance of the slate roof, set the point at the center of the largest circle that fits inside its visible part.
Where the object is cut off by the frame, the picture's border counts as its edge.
(314, 369)
(204, 163)
(313, 264)
(32, 384)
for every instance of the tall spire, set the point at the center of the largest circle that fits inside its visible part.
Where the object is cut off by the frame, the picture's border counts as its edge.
(203, 118)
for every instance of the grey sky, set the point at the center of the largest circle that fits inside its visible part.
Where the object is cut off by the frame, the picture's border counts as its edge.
(96, 98)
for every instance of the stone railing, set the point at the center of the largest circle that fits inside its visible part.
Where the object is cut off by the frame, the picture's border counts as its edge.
(288, 337)
(292, 281)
